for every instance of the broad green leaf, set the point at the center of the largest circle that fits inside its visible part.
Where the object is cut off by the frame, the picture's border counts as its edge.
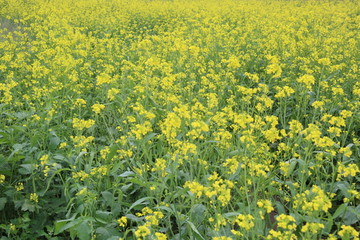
(84, 231)
(17, 147)
(28, 206)
(113, 152)
(149, 137)
(103, 216)
(61, 225)
(195, 229)
(197, 213)
(340, 210)
(230, 214)
(26, 169)
(58, 226)
(107, 233)
(108, 196)
(343, 187)
(139, 202)
(2, 203)
(126, 174)
(351, 216)
(54, 141)
(134, 218)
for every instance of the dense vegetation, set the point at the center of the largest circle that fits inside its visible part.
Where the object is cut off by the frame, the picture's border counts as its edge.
(179, 119)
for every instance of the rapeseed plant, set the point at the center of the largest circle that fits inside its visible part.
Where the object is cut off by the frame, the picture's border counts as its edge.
(179, 119)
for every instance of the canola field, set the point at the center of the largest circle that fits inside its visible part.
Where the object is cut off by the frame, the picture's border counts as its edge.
(219, 120)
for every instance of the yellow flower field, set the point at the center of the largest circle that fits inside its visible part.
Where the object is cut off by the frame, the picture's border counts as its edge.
(183, 119)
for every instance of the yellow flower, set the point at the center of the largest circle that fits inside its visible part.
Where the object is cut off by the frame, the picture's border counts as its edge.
(160, 165)
(80, 124)
(122, 221)
(284, 91)
(324, 61)
(102, 170)
(46, 171)
(346, 114)
(80, 102)
(44, 159)
(112, 93)
(104, 79)
(313, 201)
(2, 178)
(312, 227)
(337, 91)
(160, 236)
(274, 69)
(286, 222)
(233, 62)
(142, 232)
(97, 108)
(266, 204)
(223, 137)
(222, 238)
(318, 104)
(12, 227)
(171, 125)
(307, 79)
(19, 187)
(245, 221)
(348, 171)
(36, 117)
(198, 127)
(34, 197)
(348, 232)
(140, 130)
(83, 191)
(81, 141)
(62, 145)
(332, 237)
(195, 187)
(81, 175)
(346, 151)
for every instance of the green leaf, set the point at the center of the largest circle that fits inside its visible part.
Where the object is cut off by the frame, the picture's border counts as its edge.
(61, 225)
(134, 218)
(17, 147)
(149, 137)
(197, 213)
(28, 206)
(126, 174)
(54, 141)
(59, 157)
(108, 196)
(280, 208)
(58, 226)
(113, 152)
(139, 202)
(22, 115)
(351, 216)
(84, 231)
(107, 233)
(231, 214)
(116, 167)
(292, 166)
(340, 210)
(113, 238)
(102, 233)
(2, 203)
(343, 187)
(26, 169)
(234, 153)
(195, 229)
(103, 216)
